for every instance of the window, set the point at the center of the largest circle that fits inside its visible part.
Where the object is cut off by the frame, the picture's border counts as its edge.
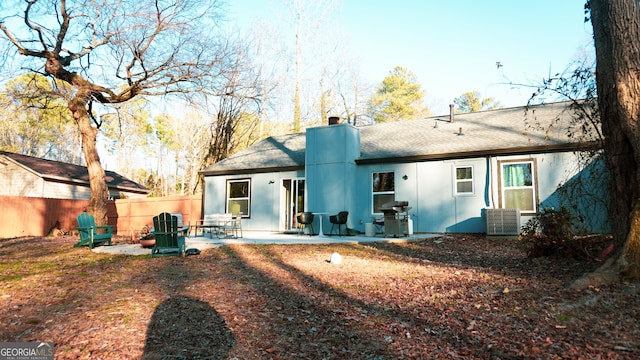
(239, 197)
(464, 180)
(383, 190)
(518, 186)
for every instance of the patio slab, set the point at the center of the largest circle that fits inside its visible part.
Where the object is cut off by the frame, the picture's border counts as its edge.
(203, 243)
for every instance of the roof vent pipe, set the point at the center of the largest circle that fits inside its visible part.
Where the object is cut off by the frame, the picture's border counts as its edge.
(451, 112)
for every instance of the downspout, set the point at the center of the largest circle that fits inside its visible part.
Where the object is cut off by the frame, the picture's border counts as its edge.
(488, 191)
(414, 217)
(203, 197)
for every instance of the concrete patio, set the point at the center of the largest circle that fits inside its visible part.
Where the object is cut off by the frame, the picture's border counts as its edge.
(259, 237)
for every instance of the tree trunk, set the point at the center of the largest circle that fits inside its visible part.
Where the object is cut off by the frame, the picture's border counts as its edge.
(296, 108)
(78, 107)
(616, 28)
(323, 102)
(296, 96)
(97, 177)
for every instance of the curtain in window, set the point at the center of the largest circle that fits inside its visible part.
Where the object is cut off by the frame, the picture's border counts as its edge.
(517, 175)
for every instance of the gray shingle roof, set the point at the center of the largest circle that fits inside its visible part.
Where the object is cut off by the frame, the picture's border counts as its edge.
(276, 152)
(496, 131)
(503, 131)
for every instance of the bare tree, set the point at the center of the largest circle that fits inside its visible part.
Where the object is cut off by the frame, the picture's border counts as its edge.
(354, 92)
(307, 18)
(114, 51)
(228, 128)
(191, 134)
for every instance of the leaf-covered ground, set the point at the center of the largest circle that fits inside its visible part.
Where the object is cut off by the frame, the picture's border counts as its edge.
(446, 297)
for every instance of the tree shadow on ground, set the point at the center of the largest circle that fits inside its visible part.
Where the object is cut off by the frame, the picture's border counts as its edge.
(185, 328)
(329, 331)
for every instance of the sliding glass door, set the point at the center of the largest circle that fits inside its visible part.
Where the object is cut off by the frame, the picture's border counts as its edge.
(292, 202)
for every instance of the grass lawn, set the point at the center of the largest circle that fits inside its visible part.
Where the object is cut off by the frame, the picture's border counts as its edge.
(446, 297)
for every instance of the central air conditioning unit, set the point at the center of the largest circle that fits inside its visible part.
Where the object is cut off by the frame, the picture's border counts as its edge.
(503, 221)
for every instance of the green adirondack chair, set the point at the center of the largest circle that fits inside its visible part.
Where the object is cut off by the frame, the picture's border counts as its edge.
(169, 236)
(90, 234)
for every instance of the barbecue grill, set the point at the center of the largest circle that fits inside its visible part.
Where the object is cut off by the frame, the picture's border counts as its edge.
(396, 218)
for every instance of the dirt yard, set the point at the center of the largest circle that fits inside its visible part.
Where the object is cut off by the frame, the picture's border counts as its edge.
(442, 298)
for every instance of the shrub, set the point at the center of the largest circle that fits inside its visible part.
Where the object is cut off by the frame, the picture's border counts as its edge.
(549, 233)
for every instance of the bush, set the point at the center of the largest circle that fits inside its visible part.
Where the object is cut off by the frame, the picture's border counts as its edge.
(549, 233)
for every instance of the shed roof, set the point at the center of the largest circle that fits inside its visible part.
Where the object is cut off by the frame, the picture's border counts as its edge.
(65, 172)
(538, 128)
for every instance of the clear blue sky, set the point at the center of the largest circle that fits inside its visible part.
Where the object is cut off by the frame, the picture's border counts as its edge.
(453, 45)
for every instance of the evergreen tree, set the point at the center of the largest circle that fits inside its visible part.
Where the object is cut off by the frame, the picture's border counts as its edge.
(472, 101)
(399, 97)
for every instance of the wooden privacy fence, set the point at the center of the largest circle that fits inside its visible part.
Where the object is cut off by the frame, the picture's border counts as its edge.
(130, 215)
(30, 216)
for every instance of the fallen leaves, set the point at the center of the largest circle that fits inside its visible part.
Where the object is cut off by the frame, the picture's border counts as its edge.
(448, 297)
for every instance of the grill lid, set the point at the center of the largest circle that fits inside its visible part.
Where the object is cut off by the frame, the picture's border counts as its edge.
(397, 206)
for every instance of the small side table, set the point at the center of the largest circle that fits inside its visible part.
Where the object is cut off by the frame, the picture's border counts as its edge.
(320, 233)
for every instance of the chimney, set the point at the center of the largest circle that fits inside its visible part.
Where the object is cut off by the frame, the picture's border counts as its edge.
(334, 120)
(451, 112)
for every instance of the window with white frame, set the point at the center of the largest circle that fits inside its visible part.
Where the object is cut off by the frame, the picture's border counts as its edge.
(464, 180)
(239, 197)
(518, 186)
(383, 189)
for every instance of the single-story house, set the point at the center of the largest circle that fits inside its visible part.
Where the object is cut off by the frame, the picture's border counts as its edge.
(22, 175)
(458, 173)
